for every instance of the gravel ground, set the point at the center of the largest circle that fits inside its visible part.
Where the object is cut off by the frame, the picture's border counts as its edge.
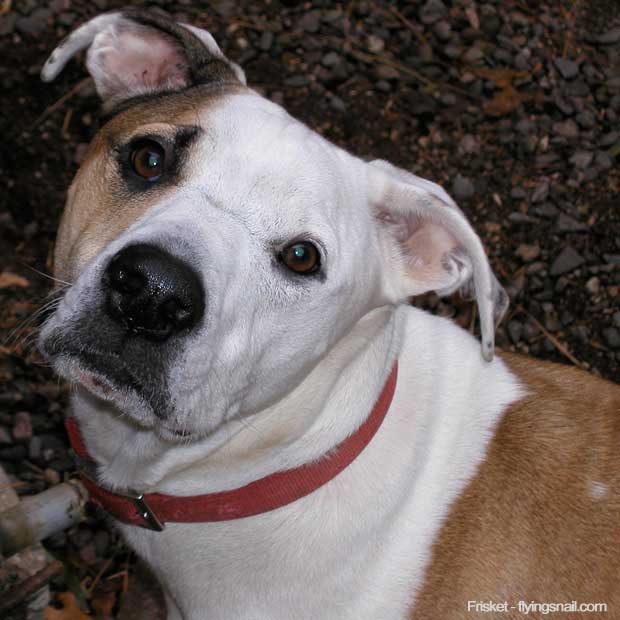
(513, 106)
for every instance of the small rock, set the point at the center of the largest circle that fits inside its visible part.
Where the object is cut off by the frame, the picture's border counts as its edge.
(452, 51)
(546, 210)
(522, 61)
(22, 426)
(565, 224)
(58, 6)
(515, 331)
(375, 44)
(568, 260)
(67, 19)
(337, 103)
(535, 268)
(603, 160)
(432, 11)
(266, 41)
(528, 253)
(610, 138)
(469, 145)
(30, 25)
(568, 69)
(473, 56)
(51, 476)
(520, 218)
(448, 99)
(593, 285)
(331, 59)
(310, 21)
(610, 37)
(586, 119)
(442, 30)
(582, 159)
(611, 335)
(612, 259)
(540, 193)
(35, 448)
(387, 73)
(297, 81)
(567, 129)
(462, 188)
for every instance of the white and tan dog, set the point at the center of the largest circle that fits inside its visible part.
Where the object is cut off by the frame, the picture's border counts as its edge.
(309, 445)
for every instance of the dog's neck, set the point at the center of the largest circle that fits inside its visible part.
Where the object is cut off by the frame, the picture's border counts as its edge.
(305, 424)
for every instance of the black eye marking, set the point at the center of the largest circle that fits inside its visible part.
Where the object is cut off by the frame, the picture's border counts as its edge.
(152, 160)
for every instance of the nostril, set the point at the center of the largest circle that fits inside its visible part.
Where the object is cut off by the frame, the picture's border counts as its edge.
(152, 293)
(175, 311)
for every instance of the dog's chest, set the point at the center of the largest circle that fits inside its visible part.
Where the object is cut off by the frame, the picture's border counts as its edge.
(357, 547)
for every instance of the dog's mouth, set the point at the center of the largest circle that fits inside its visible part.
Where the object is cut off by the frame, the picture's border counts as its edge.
(103, 374)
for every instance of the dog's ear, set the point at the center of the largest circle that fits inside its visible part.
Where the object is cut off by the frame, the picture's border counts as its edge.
(431, 244)
(135, 52)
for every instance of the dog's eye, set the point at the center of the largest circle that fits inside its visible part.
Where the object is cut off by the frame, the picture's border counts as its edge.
(147, 159)
(301, 257)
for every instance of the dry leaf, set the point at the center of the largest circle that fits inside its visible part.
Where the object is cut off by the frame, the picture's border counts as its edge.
(11, 279)
(502, 76)
(70, 609)
(505, 101)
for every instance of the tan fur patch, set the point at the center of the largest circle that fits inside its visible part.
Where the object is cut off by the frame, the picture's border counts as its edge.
(98, 207)
(541, 520)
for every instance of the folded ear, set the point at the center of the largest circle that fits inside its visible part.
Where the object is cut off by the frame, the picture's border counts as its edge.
(135, 52)
(431, 245)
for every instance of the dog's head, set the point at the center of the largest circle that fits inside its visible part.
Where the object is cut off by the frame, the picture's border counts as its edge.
(217, 248)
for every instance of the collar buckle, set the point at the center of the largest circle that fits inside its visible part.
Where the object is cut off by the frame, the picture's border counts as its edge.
(145, 511)
(88, 469)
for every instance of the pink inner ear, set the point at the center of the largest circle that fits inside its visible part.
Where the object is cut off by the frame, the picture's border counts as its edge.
(148, 62)
(127, 63)
(429, 244)
(425, 247)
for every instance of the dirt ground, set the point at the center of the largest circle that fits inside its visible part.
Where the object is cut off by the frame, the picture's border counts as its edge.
(513, 106)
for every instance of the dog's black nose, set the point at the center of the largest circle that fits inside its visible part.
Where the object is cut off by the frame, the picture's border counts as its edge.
(152, 293)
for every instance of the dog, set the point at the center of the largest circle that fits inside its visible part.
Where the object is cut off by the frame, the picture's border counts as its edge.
(277, 431)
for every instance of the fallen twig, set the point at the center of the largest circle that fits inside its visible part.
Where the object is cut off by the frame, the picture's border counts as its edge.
(371, 57)
(556, 343)
(29, 586)
(406, 22)
(51, 109)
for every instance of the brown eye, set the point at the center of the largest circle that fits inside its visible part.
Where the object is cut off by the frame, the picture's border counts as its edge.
(147, 160)
(301, 257)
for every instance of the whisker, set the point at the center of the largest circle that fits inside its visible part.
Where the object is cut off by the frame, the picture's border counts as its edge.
(45, 275)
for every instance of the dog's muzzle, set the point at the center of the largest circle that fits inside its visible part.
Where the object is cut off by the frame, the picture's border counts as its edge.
(151, 293)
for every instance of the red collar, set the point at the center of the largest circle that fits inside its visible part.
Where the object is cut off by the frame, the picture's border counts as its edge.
(153, 510)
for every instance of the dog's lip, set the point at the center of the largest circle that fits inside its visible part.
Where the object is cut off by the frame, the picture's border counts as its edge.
(100, 372)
